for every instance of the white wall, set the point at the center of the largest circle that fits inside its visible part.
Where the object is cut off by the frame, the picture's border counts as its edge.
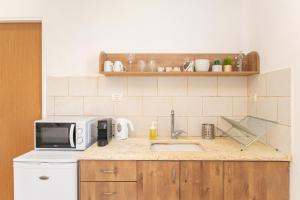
(76, 31)
(274, 28)
(274, 31)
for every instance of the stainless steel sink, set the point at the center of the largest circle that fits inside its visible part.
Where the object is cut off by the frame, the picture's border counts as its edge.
(176, 147)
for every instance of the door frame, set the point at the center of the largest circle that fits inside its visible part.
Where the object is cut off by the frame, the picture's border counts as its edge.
(42, 21)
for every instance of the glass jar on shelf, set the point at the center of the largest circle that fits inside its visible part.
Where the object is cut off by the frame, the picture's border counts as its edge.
(151, 65)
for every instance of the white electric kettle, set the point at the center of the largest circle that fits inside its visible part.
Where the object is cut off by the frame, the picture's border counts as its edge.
(122, 126)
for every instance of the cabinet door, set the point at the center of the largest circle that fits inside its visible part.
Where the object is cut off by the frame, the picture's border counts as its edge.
(201, 180)
(256, 180)
(158, 180)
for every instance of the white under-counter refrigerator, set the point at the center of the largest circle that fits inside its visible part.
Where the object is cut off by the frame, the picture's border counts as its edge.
(46, 175)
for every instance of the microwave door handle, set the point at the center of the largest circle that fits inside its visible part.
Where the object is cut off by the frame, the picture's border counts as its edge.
(71, 135)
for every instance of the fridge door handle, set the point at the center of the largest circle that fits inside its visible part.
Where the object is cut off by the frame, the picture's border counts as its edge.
(71, 135)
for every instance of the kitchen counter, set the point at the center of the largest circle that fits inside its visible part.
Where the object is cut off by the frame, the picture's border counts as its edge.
(221, 148)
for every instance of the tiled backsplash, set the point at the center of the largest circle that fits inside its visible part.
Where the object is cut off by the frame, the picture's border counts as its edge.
(269, 98)
(196, 100)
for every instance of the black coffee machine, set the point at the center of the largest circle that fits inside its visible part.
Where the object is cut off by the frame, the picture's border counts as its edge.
(105, 131)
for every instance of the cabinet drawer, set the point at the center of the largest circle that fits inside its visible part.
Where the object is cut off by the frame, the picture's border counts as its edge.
(108, 191)
(107, 170)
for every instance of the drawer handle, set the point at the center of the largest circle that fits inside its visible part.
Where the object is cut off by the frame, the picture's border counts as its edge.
(114, 171)
(110, 193)
(186, 176)
(44, 178)
(174, 175)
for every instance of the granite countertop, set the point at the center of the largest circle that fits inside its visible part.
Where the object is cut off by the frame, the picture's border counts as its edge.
(221, 148)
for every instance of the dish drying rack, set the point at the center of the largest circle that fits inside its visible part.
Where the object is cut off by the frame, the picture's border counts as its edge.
(248, 130)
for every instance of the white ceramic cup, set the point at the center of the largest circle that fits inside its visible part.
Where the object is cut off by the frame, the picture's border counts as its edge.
(202, 65)
(108, 66)
(118, 66)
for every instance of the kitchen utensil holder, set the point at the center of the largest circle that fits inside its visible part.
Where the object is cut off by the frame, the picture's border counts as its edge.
(208, 131)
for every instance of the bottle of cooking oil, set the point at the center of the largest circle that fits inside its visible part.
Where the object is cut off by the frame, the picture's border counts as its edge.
(153, 131)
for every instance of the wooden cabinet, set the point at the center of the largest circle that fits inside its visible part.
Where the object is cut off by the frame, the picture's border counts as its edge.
(158, 180)
(108, 180)
(184, 180)
(201, 180)
(256, 180)
(108, 191)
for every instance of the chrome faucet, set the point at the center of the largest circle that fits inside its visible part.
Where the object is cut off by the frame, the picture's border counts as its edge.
(177, 133)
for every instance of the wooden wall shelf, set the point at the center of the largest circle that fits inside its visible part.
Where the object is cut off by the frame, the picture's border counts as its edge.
(248, 73)
(251, 61)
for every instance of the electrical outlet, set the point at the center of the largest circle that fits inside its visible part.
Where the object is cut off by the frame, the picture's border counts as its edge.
(117, 97)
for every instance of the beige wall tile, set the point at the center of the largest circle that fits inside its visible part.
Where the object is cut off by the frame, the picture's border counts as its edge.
(157, 106)
(129, 106)
(232, 86)
(267, 108)
(217, 106)
(63, 117)
(57, 86)
(202, 86)
(68, 105)
(142, 86)
(257, 84)
(172, 86)
(239, 106)
(50, 105)
(83, 86)
(102, 106)
(164, 125)
(141, 126)
(195, 124)
(279, 136)
(279, 83)
(187, 106)
(251, 106)
(284, 110)
(110, 85)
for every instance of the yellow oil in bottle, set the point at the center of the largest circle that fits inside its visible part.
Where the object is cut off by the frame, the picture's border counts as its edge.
(153, 131)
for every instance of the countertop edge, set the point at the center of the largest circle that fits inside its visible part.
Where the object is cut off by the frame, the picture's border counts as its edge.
(221, 149)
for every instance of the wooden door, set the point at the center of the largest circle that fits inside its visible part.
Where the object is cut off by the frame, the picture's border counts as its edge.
(256, 180)
(20, 95)
(158, 180)
(201, 180)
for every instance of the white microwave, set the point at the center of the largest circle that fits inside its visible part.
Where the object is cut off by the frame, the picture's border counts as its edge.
(65, 134)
